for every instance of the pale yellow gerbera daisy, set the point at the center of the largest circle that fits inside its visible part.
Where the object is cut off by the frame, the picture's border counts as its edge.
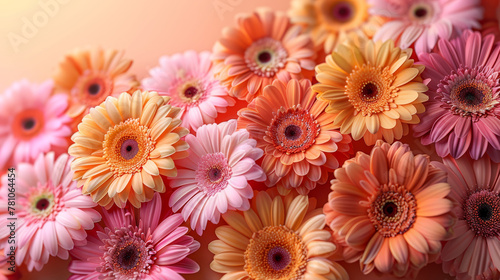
(278, 238)
(124, 145)
(374, 90)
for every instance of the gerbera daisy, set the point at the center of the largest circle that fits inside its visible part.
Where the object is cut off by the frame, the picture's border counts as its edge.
(89, 76)
(473, 251)
(32, 121)
(123, 147)
(188, 79)
(374, 90)
(149, 245)
(464, 89)
(51, 213)
(424, 21)
(278, 238)
(332, 22)
(265, 46)
(214, 178)
(391, 207)
(300, 143)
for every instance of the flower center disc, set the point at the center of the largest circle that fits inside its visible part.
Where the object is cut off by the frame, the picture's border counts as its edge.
(128, 257)
(92, 88)
(471, 97)
(276, 252)
(482, 213)
(393, 211)
(370, 89)
(293, 130)
(42, 204)
(266, 57)
(127, 146)
(213, 173)
(342, 12)
(28, 124)
(421, 12)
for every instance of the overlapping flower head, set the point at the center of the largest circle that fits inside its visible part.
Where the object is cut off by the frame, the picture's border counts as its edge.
(278, 238)
(392, 207)
(374, 90)
(473, 251)
(214, 178)
(422, 22)
(32, 121)
(124, 146)
(464, 106)
(263, 47)
(149, 245)
(88, 76)
(332, 22)
(51, 215)
(300, 142)
(188, 80)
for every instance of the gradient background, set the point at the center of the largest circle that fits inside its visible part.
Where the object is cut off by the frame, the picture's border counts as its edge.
(146, 30)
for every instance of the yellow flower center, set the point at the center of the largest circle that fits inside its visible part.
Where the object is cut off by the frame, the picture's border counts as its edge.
(370, 90)
(276, 252)
(127, 147)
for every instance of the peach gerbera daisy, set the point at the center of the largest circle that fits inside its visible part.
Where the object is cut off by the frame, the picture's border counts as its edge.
(123, 147)
(300, 143)
(332, 22)
(278, 238)
(88, 76)
(473, 251)
(265, 46)
(392, 207)
(374, 90)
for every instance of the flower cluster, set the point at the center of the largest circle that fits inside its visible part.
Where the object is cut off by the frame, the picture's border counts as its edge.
(343, 131)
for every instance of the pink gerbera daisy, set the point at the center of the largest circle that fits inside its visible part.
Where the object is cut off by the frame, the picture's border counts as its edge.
(32, 122)
(263, 47)
(148, 245)
(188, 79)
(424, 21)
(464, 93)
(473, 252)
(214, 178)
(391, 207)
(52, 215)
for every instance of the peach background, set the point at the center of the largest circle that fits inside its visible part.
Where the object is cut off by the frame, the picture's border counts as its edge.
(146, 30)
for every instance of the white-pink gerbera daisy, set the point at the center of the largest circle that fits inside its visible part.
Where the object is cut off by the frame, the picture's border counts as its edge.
(32, 121)
(214, 178)
(149, 245)
(52, 214)
(189, 81)
(424, 21)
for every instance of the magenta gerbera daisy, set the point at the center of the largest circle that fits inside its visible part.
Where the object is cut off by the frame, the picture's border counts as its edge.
(464, 91)
(32, 121)
(214, 178)
(52, 215)
(149, 245)
(189, 81)
(424, 21)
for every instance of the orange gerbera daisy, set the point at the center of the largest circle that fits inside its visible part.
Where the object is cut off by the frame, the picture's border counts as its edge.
(392, 207)
(374, 90)
(333, 22)
(300, 142)
(265, 46)
(123, 147)
(88, 76)
(281, 238)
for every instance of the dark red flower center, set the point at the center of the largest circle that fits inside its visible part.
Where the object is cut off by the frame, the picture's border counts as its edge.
(214, 174)
(42, 204)
(129, 149)
(390, 209)
(482, 213)
(420, 12)
(190, 92)
(28, 123)
(343, 11)
(94, 89)
(264, 57)
(128, 257)
(278, 258)
(292, 132)
(369, 92)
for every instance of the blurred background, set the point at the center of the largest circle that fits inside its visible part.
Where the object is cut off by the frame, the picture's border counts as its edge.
(36, 34)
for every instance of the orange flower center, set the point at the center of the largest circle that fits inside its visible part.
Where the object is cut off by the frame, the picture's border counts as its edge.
(266, 57)
(293, 130)
(276, 252)
(370, 89)
(28, 124)
(393, 210)
(482, 213)
(92, 88)
(127, 147)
